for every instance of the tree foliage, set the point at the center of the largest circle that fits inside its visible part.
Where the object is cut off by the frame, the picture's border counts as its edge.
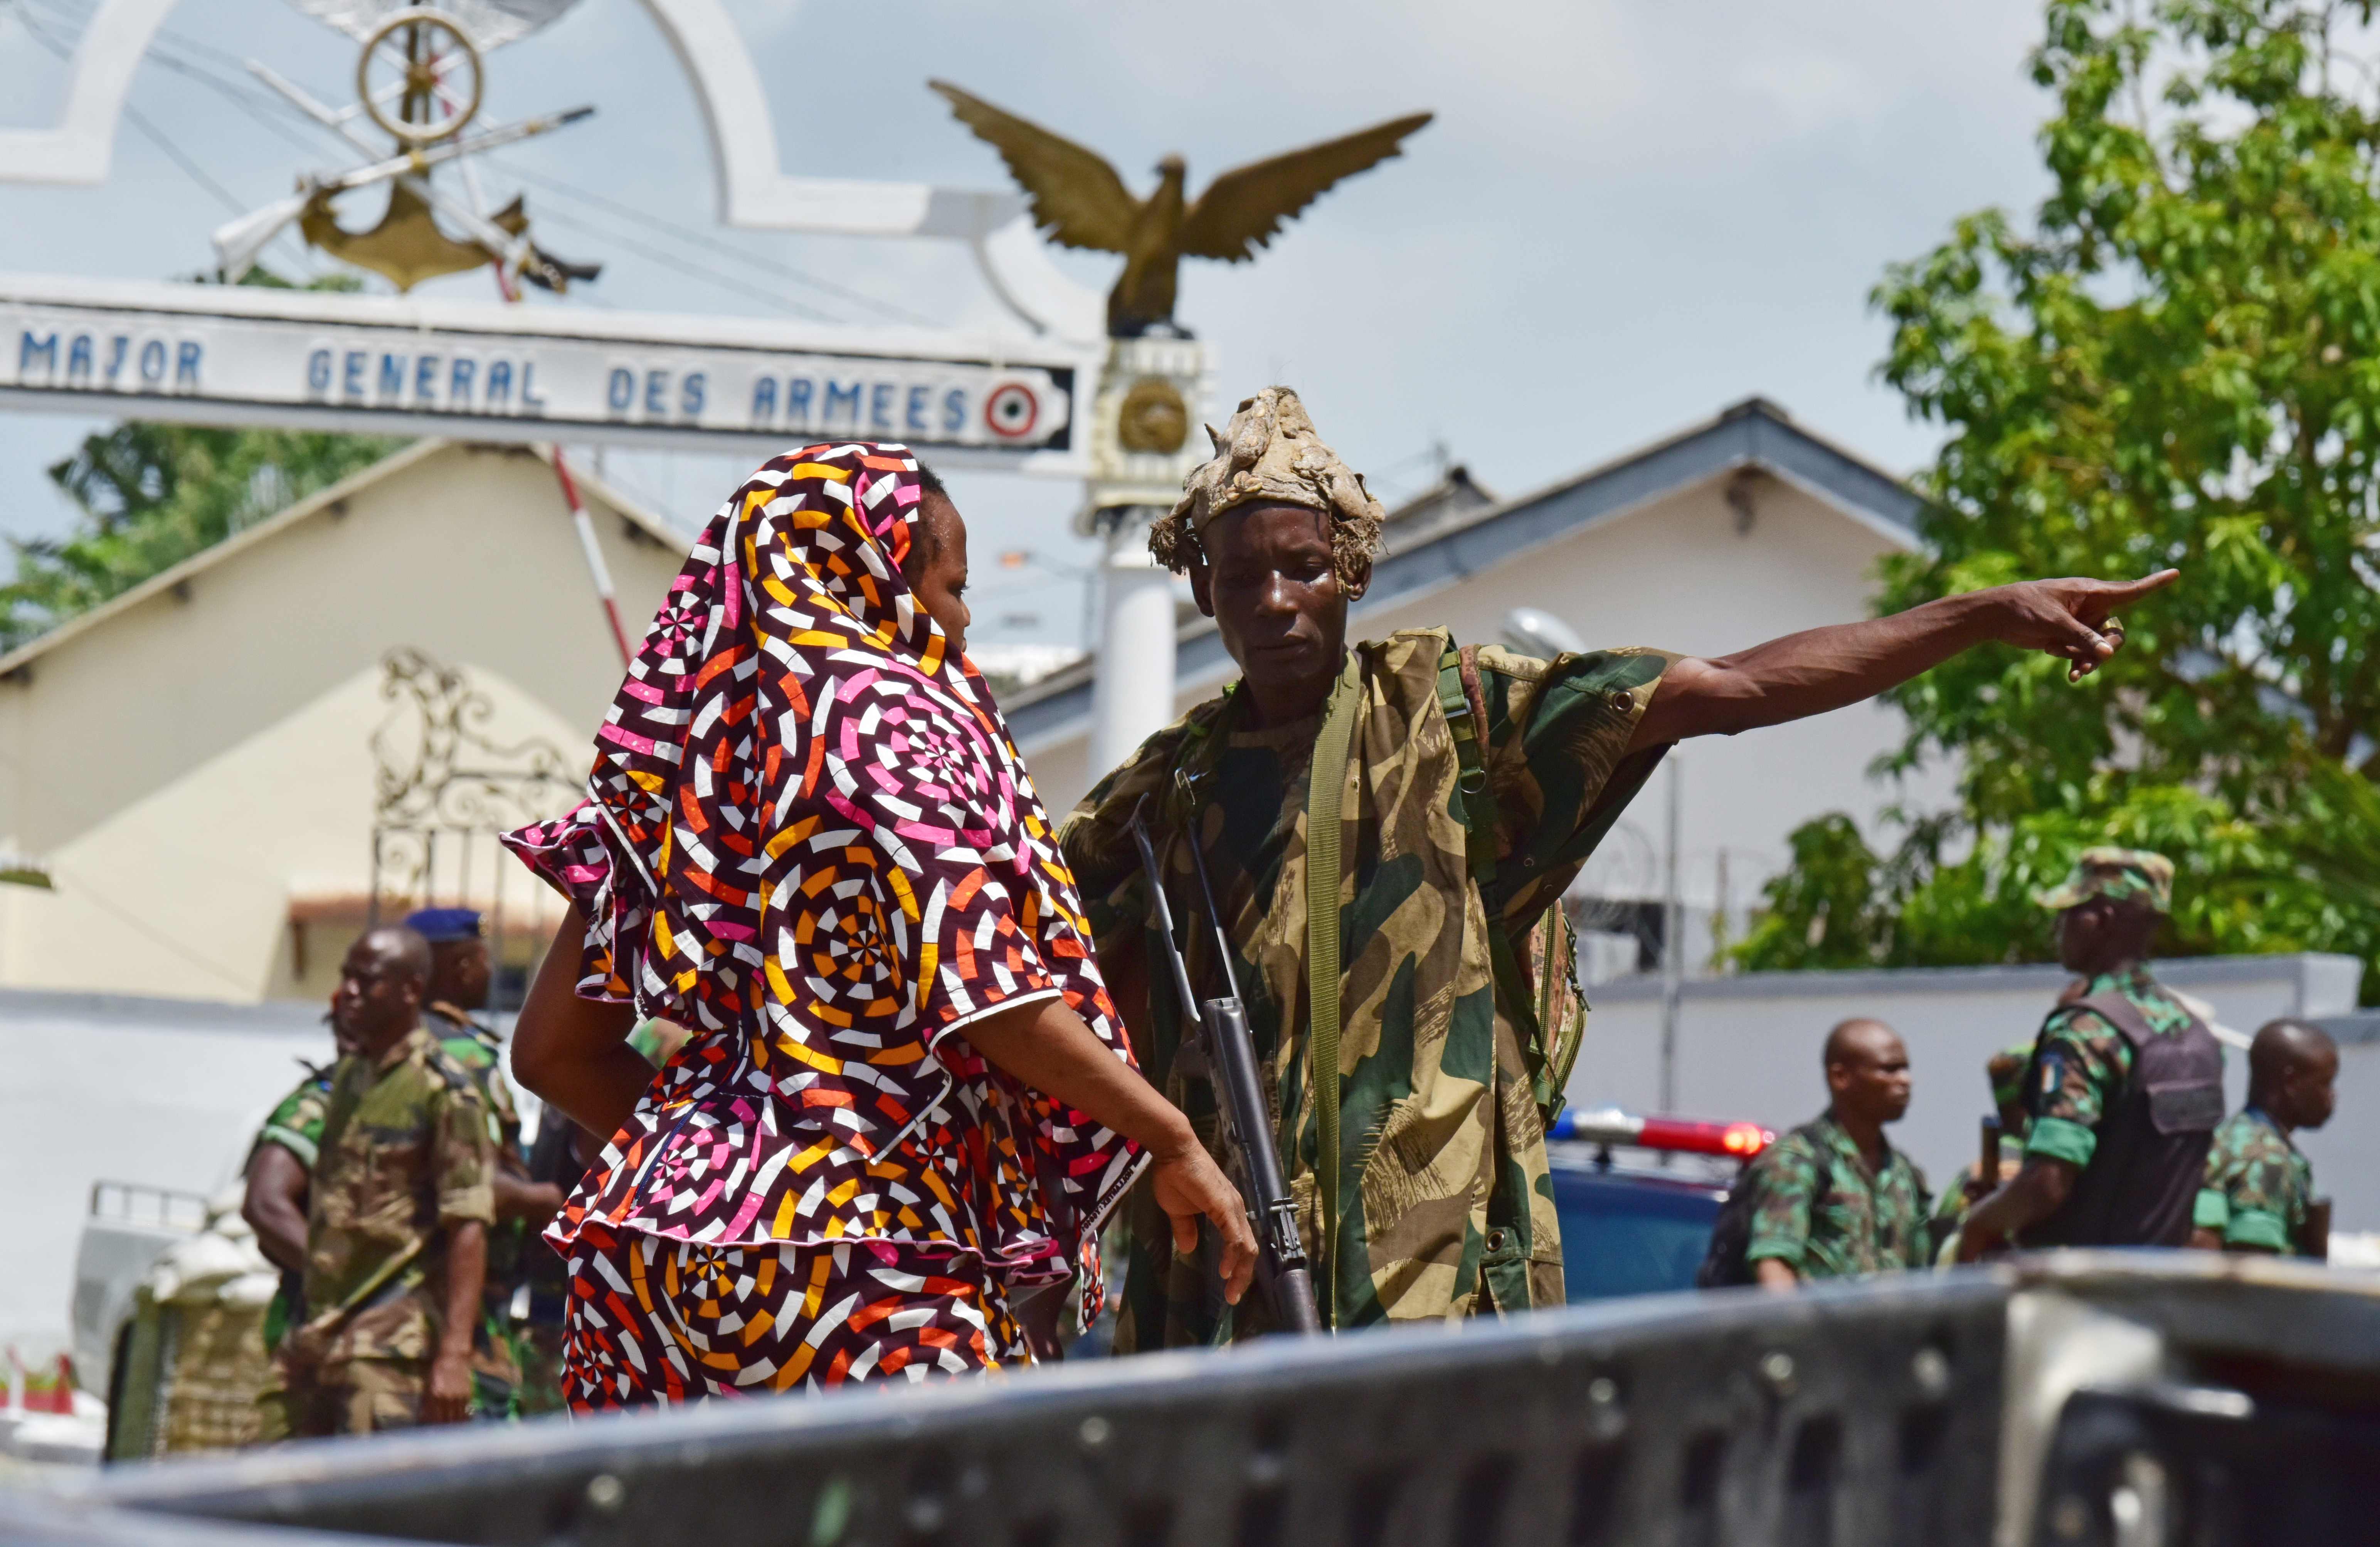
(153, 495)
(2176, 362)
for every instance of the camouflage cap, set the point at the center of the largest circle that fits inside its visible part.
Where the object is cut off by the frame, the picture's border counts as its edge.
(1270, 453)
(2115, 874)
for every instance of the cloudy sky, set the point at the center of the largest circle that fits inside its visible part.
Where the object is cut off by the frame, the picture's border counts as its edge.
(1626, 215)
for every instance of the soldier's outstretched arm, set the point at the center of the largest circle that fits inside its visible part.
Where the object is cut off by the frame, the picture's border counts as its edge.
(1819, 669)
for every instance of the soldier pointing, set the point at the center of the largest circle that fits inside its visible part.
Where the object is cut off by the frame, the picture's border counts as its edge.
(1437, 799)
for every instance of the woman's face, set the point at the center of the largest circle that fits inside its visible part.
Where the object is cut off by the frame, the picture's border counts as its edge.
(937, 570)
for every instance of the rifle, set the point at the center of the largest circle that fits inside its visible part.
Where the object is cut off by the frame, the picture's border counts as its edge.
(1223, 1053)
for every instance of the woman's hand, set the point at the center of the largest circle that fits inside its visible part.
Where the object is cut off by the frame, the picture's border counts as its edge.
(1049, 1047)
(1190, 1186)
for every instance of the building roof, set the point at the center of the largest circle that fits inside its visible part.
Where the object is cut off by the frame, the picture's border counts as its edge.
(329, 500)
(1459, 543)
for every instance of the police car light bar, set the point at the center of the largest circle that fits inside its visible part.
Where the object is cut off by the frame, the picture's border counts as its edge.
(1611, 1126)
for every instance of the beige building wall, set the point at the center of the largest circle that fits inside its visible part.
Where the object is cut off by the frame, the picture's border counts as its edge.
(1677, 574)
(195, 758)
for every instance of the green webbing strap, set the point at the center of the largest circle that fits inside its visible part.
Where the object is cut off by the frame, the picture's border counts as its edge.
(1478, 818)
(1326, 788)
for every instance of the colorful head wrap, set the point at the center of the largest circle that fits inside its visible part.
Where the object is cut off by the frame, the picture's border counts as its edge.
(2115, 874)
(809, 839)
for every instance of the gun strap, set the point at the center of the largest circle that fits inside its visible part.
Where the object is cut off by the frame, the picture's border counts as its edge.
(1325, 798)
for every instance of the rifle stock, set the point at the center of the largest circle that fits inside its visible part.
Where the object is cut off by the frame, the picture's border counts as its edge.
(1223, 1053)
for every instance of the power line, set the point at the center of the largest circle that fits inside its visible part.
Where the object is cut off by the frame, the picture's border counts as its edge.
(272, 113)
(686, 266)
(156, 136)
(644, 218)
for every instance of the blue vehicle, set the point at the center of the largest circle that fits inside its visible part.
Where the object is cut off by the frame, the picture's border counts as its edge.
(1641, 1228)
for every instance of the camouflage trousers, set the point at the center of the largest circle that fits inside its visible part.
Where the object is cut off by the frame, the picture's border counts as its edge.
(354, 1396)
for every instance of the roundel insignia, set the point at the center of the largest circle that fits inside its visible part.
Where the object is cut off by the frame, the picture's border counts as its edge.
(1011, 410)
(1153, 417)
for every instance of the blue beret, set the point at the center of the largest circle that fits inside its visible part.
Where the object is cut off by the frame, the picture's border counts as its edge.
(438, 925)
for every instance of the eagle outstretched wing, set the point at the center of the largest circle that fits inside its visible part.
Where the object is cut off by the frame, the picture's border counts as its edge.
(1243, 208)
(1076, 197)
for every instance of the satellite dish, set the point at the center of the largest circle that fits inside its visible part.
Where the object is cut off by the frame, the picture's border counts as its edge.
(1540, 634)
(488, 23)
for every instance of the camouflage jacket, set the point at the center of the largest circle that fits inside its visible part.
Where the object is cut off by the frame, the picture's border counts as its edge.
(2258, 1184)
(1822, 1211)
(404, 1158)
(1446, 1206)
(476, 1047)
(297, 1124)
(2079, 1065)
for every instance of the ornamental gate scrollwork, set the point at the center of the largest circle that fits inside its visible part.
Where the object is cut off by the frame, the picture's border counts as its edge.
(444, 786)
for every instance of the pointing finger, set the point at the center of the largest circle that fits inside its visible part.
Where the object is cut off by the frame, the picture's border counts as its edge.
(2119, 592)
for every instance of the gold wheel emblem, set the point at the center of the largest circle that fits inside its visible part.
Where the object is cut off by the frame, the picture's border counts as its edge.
(419, 77)
(1153, 419)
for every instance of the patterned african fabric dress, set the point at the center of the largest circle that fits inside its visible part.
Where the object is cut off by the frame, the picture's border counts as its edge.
(809, 839)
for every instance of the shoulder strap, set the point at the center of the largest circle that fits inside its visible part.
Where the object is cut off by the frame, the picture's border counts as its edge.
(1325, 799)
(1464, 704)
(1465, 709)
(2119, 1013)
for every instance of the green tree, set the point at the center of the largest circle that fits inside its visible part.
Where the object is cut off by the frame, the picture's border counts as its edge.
(2176, 362)
(153, 495)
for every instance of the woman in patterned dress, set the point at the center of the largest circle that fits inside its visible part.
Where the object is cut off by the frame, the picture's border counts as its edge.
(907, 1103)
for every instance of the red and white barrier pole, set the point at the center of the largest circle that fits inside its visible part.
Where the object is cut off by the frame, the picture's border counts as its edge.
(596, 570)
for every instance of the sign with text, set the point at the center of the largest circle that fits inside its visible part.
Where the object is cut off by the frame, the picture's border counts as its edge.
(386, 365)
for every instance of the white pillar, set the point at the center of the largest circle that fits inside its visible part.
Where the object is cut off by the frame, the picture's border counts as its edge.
(1132, 681)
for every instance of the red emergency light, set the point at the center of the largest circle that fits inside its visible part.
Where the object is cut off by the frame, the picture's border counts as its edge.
(1738, 1140)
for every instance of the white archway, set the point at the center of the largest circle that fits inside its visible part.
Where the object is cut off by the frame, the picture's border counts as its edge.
(753, 188)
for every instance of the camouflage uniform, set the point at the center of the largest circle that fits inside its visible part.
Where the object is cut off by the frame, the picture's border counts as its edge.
(297, 1125)
(2079, 1087)
(1446, 1206)
(405, 1158)
(499, 1354)
(2080, 1064)
(2257, 1185)
(1950, 1208)
(1822, 1211)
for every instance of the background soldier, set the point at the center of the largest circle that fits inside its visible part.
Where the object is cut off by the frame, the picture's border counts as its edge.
(397, 1226)
(1832, 1199)
(460, 977)
(280, 1171)
(1473, 787)
(2125, 1087)
(2005, 1073)
(2258, 1184)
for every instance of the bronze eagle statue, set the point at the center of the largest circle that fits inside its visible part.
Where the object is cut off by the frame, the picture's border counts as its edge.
(1078, 201)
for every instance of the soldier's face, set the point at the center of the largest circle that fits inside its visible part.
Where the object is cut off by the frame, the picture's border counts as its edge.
(461, 971)
(1269, 582)
(2100, 933)
(379, 998)
(1871, 1079)
(2313, 1089)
